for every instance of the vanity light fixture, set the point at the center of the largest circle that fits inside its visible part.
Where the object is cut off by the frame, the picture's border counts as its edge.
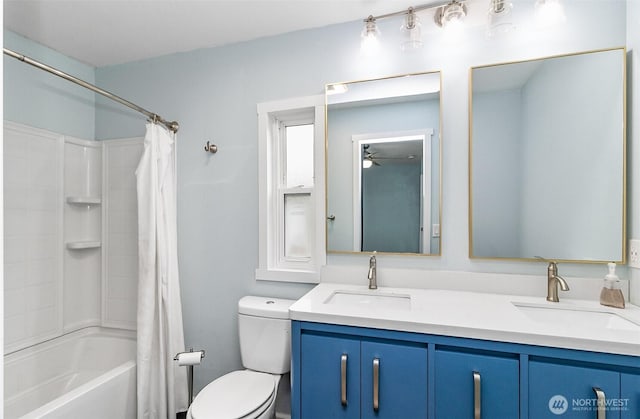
(549, 12)
(449, 15)
(499, 19)
(445, 13)
(411, 31)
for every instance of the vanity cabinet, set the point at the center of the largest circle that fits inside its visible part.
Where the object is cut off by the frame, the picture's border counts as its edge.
(470, 385)
(335, 370)
(347, 376)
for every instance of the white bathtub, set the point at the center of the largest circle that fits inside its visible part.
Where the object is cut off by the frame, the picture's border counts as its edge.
(90, 373)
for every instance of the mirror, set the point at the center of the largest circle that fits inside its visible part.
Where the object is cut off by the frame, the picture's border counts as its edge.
(383, 165)
(547, 158)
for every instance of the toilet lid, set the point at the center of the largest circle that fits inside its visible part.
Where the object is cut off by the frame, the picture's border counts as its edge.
(234, 395)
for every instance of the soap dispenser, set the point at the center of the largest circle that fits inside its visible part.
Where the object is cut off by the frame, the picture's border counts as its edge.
(611, 294)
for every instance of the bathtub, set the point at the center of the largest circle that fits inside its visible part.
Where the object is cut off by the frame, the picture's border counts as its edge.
(90, 373)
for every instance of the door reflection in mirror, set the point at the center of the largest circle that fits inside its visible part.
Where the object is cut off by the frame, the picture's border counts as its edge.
(390, 191)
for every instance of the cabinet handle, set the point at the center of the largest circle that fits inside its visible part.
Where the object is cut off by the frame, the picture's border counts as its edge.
(477, 396)
(343, 379)
(602, 403)
(376, 384)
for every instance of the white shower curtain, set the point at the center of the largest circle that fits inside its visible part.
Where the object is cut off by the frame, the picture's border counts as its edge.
(162, 385)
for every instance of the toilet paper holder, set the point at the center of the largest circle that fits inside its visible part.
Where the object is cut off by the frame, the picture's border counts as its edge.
(189, 364)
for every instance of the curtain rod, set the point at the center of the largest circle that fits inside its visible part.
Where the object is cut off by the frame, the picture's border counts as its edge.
(173, 125)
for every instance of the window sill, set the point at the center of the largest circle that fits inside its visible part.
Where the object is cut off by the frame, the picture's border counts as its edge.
(288, 275)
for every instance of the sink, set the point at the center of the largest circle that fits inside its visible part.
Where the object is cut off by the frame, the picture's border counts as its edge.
(593, 319)
(373, 299)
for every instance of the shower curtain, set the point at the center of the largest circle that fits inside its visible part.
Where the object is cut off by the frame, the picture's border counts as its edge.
(162, 385)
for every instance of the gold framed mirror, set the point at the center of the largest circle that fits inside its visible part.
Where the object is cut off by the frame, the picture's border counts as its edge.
(547, 158)
(383, 171)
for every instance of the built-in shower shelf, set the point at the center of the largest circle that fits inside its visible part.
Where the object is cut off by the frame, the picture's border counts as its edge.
(83, 245)
(84, 200)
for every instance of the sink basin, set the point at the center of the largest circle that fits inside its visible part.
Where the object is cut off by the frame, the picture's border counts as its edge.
(592, 319)
(373, 299)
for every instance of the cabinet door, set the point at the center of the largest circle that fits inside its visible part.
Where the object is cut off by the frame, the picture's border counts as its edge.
(329, 377)
(394, 380)
(568, 390)
(630, 396)
(494, 388)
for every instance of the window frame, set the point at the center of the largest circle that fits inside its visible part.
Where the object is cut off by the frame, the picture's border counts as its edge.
(273, 118)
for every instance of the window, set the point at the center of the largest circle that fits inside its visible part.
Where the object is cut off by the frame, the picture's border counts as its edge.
(291, 188)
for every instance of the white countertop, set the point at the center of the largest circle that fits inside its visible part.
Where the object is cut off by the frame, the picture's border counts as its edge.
(475, 315)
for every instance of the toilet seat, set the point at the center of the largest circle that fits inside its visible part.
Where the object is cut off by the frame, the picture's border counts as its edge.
(238, 395)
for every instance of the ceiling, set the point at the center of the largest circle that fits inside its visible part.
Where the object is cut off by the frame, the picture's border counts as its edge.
(109, 32)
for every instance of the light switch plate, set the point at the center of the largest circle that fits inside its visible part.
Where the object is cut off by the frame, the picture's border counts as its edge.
(435, 230)
(634, 254)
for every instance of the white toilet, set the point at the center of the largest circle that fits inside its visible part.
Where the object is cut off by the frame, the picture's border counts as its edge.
(265, 347)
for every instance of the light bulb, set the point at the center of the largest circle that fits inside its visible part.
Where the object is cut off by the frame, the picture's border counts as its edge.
(411, 32)
(369, 37)
(366, 163)
(499, 18)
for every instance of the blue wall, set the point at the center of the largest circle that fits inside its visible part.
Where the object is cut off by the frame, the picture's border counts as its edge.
(39, 99)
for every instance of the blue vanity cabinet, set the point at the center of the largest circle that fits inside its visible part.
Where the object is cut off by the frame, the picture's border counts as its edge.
(630, 395)
(345, 376)
(336, 368)
(568, 390)
(330, 374)
(394, 380)
(470, 382)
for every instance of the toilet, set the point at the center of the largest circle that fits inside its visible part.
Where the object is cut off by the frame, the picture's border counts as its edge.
(265, 348)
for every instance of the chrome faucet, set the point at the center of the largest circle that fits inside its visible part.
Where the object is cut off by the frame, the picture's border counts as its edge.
(371, 276)
(553, 279)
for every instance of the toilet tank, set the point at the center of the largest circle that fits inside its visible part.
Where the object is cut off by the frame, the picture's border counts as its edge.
(265, 334)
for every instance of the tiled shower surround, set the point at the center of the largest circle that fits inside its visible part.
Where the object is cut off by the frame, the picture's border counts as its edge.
(70, 234)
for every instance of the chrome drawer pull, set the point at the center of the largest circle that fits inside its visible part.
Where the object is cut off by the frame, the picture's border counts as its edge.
(602, 403)
(376, 384)
(343, 379)
(477, 396)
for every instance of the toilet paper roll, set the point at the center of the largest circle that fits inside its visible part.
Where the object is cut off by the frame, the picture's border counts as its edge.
(189, 358)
